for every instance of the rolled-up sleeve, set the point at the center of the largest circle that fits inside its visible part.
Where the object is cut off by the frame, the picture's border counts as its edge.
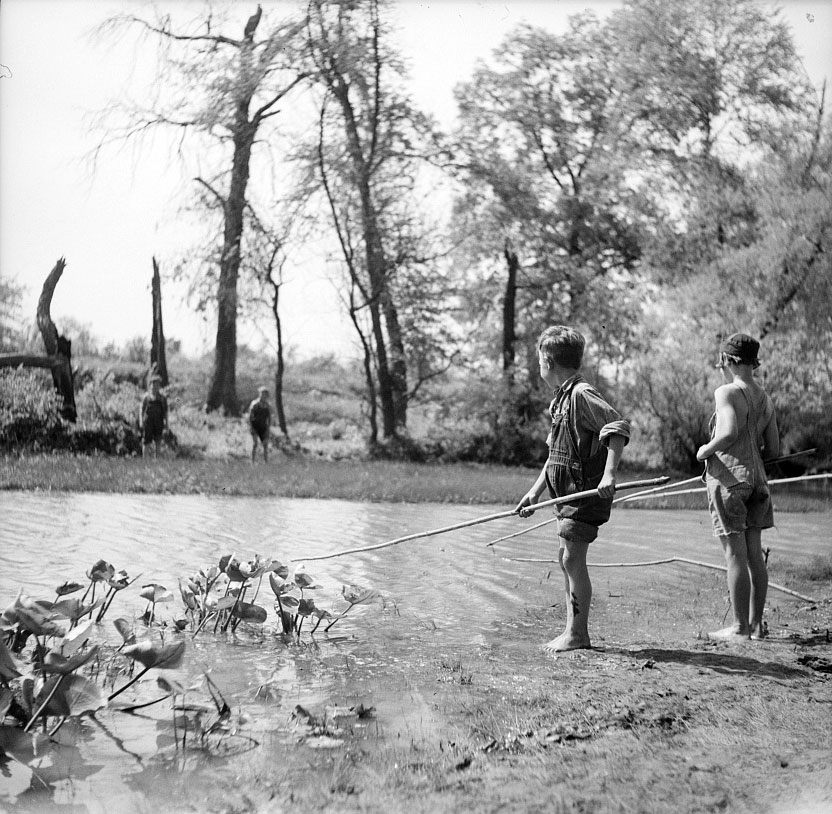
(601, 420)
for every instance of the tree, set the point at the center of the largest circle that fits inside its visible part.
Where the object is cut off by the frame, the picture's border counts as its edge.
(158, 358)
(542, 158)
(225, 89)
(367, 156)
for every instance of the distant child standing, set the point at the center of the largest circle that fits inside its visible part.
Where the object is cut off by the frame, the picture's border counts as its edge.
(743, 433)
(153, 416)
(585, 445)
(259, 423)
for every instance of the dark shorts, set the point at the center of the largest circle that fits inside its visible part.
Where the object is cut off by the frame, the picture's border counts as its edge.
(153, 431)
(737, 508)
(261, 432)
(576, 531)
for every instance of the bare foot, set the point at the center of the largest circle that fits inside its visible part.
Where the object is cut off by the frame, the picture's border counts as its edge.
(729, 634)
(567, 641)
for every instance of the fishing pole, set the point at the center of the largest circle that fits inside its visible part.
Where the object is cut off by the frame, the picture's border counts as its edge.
(650, 493)
(701, 489)
(509, 513)
(769, 462)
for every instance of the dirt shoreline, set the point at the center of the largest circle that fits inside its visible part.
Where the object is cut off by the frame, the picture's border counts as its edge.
(665, 723)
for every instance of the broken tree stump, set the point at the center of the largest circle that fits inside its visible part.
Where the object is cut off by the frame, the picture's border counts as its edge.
(58, 348)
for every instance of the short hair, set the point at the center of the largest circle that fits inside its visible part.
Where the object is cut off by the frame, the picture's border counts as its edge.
(562, 346)
(262, 389)
(741, 349)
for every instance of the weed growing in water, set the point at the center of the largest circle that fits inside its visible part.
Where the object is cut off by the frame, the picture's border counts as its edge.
(45, 645)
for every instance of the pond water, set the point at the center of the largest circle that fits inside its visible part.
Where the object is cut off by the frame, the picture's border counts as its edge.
(451, 591)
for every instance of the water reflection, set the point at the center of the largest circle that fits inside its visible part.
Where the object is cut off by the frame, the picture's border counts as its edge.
(449, 591)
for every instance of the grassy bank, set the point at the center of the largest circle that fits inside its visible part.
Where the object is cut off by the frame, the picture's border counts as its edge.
(301, 475)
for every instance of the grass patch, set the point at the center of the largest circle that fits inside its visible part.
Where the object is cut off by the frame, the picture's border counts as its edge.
(818, 569)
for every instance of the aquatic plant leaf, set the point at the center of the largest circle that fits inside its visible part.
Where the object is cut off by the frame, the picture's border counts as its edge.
(148, 654)
(210, 573)
(119, 581)
(277, 567)
(320, 613)
(6, 698)
(37, 622)
(303, 580)
(306, 607)
(56, 704)
(226, 602)
(224, 560)
(249, 612)
(355, 595)
(73, 609)
(68, 588)
(125, 630)
(188, 595)
(280, 588)
(156, 593)
(101, 571)
(10, 667)
(56, 663)
(74, 638)
(79, 695)
(289, 603)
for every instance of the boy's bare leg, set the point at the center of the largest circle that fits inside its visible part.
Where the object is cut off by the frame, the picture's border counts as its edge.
(265, 450)
(739, 587)
(759, 582)
(572, 558)
(253, 446)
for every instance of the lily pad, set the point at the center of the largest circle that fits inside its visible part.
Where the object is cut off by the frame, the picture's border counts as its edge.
(149, 654)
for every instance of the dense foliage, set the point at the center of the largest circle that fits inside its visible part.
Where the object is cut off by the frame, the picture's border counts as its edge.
(658, 177)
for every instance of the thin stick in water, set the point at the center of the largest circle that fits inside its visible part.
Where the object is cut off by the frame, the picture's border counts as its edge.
(662, 562)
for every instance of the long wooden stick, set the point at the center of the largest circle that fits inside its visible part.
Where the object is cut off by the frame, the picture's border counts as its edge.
(509, 513)
(617, 500)
(700, 477)
(664, 489)
(662, 562)
(645, 496)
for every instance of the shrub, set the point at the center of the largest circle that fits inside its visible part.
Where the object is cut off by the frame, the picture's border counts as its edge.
(29, 409)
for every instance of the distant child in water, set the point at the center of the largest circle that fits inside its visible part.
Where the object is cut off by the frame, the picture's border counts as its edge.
(743, 433)
(585, 445)
(153, 416)
(259, 423)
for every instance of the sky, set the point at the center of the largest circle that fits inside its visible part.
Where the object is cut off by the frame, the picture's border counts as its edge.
(109, 225)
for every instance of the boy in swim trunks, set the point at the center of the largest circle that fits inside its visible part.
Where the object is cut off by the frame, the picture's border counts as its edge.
(259, 423)
(743, 434)
(585, 444)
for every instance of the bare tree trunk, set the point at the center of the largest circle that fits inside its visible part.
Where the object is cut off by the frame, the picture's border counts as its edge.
(158, 361)
(376, 269)
(279, 370)
(57, 346)
(368, 372)
(509, 311)
(222, 393)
